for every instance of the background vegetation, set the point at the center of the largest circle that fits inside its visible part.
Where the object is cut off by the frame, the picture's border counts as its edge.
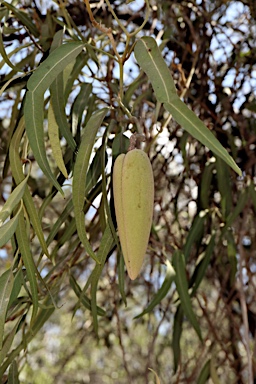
(190, 316)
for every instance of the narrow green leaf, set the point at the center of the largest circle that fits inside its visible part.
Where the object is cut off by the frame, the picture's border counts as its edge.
(213, 372)
(204, 374)
(205, 185)
(162, 292)
(83, 298)
(94, 172)
(120, 145)
(195, 127)
(79, 176)
(8, 342)
(34, 117)
(105, 246)
(72, 71)
(176, 335)
(18, 175)
(41, 79)
(53, 130)
(55, 63)
(151, 61)
(23, 17)
(58, 99)
(252, 192)
(79, 105)
(241, 202)
(182, 288)
(224, 186)
(199, 272)
(6, 284)
(13, 375)
(5, 57)
(121, 277)
(12, 201)
(58, 105)
(17, 284)
(7, 230)
(24, 246)
(195, 232)
(42, 316)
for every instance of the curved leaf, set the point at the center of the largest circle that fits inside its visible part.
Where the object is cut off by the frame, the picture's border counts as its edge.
(79, 176)
(6, 284)
(53, 130)
(83, 298)
(41, 79)
(204, 374)
(18, 175)
(151, 61)
(24, 246)
(195, 232)
(7, 230)
(105, 246)
(195, 127)
(176, 335)
(182, 288)
(14, 198)
(162, 292)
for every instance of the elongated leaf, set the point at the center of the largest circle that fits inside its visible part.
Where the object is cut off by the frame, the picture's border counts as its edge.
(34, 117)
(105, 246)
(58, 105)
(205, 186)
(94, 172)
(195, 232)
(182, 288)
(24, 246)
(42, 316)
(242, 200)
(213, 372)
(176, 335)
(18, 175)
(17, 284)
(53, 130)
(150, 59)
(55, 63)
(72, 71)
(121, 277)
(224, 186)
(204, 374)
(57, 97)
(199, 272)
(8, 342)
(156, 376)
(79, 105)
(162, 292)
(6, 284)
(41, 79)
(14, 198)
(195, 127)
(7, 230)
(83, 298)
(23, 17)
(13, 375)
(5, 56)
(79, 177)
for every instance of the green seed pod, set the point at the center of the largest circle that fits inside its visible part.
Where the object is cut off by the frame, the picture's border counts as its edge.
(133, 186)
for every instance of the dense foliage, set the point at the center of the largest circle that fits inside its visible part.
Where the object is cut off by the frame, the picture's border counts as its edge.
(72, 92)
